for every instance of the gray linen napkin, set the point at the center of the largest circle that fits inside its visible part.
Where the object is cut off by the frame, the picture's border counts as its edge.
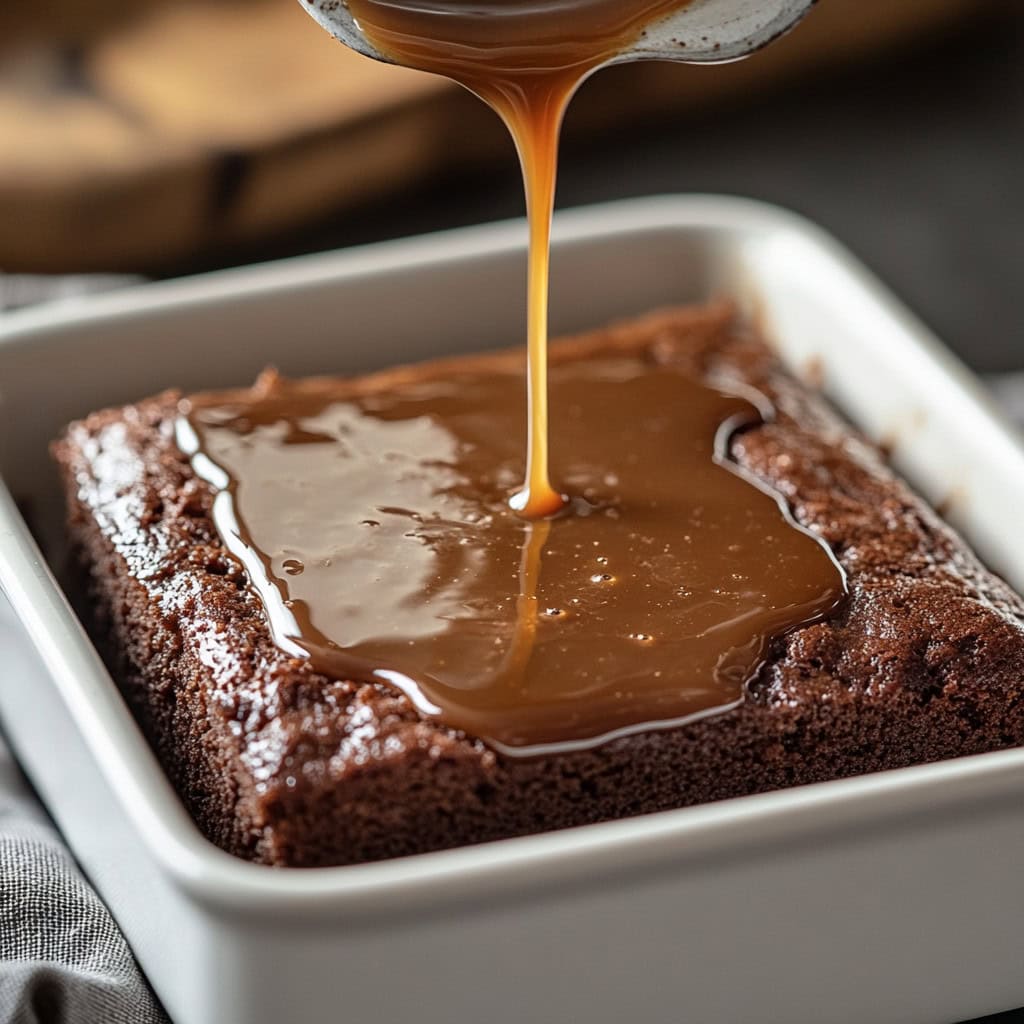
(62, 958)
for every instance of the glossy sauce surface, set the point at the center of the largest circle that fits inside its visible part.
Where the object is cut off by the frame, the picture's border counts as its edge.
(525, 58)
(377, 531)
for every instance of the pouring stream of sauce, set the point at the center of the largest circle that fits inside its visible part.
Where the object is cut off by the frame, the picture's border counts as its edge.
(525, 58)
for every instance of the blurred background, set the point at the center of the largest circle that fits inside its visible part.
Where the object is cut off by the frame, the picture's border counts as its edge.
(162, 138)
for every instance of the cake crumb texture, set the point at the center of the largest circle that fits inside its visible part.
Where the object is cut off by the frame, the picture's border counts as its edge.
(283, 766)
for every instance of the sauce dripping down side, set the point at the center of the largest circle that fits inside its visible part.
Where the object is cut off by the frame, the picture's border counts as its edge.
(374, 524)
(525, 58)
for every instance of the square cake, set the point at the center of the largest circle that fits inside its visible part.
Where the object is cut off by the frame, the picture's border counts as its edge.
(298, 753)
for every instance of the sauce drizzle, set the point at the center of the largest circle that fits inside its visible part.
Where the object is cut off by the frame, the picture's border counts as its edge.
(525, 58)
(376, 529)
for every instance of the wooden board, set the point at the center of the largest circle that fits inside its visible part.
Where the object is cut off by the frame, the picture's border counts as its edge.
(151, 132)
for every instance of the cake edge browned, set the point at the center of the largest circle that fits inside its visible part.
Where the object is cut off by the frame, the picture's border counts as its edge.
(284, 766)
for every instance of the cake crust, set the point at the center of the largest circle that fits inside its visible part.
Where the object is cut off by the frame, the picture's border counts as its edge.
(287, 767)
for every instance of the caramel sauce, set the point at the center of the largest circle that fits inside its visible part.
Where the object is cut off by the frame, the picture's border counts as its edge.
(525, 58)
(375, 526)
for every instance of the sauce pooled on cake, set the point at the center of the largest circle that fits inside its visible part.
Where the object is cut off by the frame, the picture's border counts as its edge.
(376, 528)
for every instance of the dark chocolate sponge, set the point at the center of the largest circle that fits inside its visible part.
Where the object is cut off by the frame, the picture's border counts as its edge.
(284, 766)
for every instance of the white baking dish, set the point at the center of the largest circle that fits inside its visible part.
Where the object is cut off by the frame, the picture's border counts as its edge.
(894, 897)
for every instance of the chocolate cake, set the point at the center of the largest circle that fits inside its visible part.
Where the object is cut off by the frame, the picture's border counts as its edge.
(284, 763)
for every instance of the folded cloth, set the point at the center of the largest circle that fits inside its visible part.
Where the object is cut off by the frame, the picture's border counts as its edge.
(62, 958)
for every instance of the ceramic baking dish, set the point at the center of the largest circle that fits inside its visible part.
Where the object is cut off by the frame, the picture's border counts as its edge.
(890, 898)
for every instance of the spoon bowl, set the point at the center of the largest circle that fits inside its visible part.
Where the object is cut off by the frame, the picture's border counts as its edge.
(699, 32)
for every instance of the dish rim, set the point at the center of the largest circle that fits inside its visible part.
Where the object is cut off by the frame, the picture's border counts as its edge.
(405, 885)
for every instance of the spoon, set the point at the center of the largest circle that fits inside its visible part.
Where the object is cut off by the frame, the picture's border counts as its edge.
(699, 32)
